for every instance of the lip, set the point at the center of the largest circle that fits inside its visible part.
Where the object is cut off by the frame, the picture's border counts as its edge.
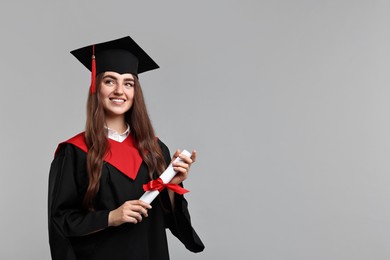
(117, 100)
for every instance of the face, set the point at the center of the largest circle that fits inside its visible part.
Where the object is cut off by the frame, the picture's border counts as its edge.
(116, 93)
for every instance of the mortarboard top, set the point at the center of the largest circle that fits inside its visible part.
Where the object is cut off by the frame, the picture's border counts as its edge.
(121, 55)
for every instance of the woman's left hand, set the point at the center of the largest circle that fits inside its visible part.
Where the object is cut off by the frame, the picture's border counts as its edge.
(182, 168)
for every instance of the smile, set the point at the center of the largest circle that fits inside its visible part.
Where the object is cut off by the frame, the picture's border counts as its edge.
(117, 100)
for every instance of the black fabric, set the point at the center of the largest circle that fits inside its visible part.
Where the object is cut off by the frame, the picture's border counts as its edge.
(119, 61)
(122, 55)
(75, 233)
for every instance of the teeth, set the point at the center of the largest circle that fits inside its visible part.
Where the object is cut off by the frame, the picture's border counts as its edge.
(117, 100)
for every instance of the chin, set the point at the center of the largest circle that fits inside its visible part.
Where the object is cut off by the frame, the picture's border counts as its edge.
(115, 112)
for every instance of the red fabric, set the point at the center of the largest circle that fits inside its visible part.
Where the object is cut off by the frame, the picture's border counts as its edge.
(92, 88)
(123, 156)
(159, 185)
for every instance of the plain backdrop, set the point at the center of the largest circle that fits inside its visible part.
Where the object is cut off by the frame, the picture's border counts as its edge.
(286, 102)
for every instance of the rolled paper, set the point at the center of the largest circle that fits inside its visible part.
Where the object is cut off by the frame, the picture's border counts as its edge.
(154, 187)
(159, 185)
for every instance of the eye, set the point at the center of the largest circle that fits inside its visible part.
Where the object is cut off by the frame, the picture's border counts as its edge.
(129, 84)
(109, 82)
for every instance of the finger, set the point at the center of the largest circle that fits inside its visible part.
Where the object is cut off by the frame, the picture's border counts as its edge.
(179, 178)
(181, 165)
(177, 152)
(139, 209)
(175, 155)
(144, 204)
(131, 203)
(185, 158)
(181, 174)
(131, 220)
(135, 215)
(193, 156)
(129, 217)
(143, 212)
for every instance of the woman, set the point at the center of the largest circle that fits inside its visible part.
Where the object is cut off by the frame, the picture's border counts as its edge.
(97, 177)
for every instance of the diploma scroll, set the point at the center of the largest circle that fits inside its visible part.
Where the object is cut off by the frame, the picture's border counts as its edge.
(166, 177)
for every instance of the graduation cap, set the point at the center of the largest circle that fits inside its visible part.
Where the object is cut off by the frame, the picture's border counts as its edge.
(122, 55)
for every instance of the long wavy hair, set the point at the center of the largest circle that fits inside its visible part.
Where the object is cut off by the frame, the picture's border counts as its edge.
(96, 138)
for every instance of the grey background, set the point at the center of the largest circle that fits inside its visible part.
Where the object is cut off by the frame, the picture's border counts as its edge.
(285, 101)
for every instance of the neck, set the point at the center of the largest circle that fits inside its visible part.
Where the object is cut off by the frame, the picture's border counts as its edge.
(116, 123)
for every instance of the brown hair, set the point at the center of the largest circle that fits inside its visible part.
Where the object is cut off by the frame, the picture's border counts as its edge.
(96, 138)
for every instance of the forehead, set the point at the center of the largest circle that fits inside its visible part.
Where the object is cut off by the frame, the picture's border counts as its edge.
(112, 74)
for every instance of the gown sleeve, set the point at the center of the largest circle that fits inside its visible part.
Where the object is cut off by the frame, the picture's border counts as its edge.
(66, 216)
(179, 220)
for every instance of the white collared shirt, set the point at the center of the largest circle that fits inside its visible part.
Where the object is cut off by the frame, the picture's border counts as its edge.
(114, 135)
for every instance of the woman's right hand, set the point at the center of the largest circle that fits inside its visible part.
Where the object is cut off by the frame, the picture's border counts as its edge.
(131, 211)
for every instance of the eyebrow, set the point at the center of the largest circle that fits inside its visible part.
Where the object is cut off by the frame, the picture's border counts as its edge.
(115, 78)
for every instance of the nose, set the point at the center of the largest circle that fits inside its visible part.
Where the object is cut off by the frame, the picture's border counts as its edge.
(118, 89)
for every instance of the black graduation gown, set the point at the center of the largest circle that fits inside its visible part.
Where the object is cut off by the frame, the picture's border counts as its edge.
(75, 233)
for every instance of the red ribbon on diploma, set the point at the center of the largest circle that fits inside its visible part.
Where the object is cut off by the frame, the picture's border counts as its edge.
(159, 185)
